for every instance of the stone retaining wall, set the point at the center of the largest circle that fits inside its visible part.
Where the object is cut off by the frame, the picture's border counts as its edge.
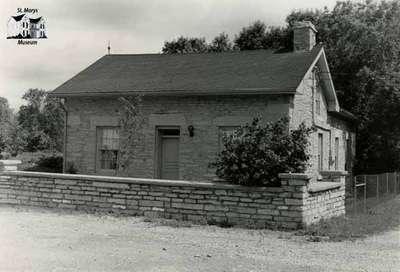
(290, 206)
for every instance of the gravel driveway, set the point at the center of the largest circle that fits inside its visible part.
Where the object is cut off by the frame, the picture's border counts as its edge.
(42, 240)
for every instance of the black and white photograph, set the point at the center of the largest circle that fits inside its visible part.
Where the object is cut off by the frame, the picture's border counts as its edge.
(200, 135)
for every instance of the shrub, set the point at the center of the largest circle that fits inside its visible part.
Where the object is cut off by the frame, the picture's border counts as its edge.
(52, 164)
(71, 168)
(254, 155)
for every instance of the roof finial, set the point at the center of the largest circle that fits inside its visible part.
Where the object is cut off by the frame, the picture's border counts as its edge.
(108, 47)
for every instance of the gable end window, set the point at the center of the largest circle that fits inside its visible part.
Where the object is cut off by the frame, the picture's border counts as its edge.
(318, 101)
(107, 147)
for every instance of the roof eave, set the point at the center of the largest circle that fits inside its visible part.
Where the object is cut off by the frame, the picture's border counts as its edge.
(244, 91)
(345, 115)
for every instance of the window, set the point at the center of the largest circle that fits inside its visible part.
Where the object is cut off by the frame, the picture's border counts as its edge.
(108, 146)
(336, 153)
(318, 101)
(348, 154)
(320, 151)
(225, 131)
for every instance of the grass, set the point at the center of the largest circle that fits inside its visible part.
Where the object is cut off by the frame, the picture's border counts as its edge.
(377, 219)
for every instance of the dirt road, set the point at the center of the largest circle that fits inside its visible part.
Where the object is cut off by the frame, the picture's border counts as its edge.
(42, 240)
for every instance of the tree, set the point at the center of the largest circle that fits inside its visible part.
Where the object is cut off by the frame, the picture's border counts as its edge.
(221, 43)
(362, 43)
(255, 154)
(41, 121)
(251, 37)
(6, 116)
(184, 45)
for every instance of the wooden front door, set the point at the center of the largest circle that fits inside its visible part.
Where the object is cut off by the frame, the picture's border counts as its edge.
(169, 154)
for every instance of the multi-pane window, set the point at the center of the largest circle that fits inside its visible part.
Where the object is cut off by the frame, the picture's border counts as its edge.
(225, 131)
(320, 151)
(108, 146)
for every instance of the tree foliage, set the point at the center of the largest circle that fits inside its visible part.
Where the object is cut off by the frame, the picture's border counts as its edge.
(255, 154)
(184, 45)
(40, 122)
(221, 43)
(6, 119)
(362, 42)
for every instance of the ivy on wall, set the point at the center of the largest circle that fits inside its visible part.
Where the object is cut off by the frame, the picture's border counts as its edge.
(131, 124)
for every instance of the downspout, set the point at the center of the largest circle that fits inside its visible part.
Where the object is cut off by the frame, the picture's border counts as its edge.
(62, 103)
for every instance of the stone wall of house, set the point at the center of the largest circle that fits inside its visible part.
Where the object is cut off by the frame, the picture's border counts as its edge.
(207, 114)
(303, 109)
(293, 205)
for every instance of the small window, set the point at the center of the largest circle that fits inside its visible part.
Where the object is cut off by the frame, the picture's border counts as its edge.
(336, 153)
(225, 131)
(320, 151)
(348, 155)
(318, 101)
(108, 146)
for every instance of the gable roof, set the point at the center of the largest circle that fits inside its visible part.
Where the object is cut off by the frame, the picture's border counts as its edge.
(18, 17)
(240, 72)
(35, 21)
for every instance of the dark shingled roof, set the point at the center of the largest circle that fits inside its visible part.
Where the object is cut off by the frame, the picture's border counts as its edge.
(258, 71)
(35, 20)
(18, 18)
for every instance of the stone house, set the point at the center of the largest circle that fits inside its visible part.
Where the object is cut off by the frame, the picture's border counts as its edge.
(190, 101)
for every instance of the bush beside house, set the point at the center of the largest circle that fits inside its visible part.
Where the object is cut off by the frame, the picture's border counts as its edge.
(254, 155)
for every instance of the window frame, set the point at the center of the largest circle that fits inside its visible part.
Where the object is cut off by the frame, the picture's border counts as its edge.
(99, 142)
(320, 151)
(337, 144)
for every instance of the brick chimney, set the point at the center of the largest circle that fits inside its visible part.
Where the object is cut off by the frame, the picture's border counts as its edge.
(304, 36)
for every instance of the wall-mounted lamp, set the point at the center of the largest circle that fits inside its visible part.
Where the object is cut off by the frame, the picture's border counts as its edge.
(191, 130)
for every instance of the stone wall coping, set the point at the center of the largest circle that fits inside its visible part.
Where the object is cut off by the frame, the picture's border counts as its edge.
(10, 162)
(301, 176)
(316, 187)
(334, 173)
(129, 180)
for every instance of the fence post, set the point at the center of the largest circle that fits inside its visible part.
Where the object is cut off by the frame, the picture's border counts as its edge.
(377, 186)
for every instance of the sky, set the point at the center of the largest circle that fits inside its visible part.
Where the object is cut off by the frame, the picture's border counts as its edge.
(78, 32)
